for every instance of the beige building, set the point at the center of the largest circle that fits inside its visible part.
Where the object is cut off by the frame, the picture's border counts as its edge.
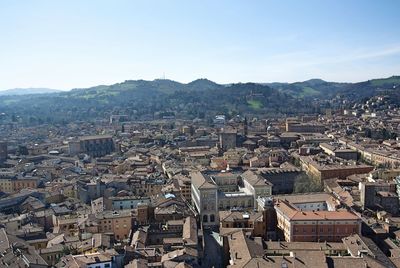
(312, 226)
(118, 223)
(6, 185)
(256, 185)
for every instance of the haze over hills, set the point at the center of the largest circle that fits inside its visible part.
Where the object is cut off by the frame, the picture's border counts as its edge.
(27, 91)
(202, 98)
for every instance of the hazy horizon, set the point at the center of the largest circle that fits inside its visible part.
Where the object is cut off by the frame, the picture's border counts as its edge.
(80, 44)
(268, 82)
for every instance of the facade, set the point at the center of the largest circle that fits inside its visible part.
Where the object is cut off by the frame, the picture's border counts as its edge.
(88, 191)
(397, 181)
(313, 226)
(322, 172)
(235, 200)
(205, 198)
(282, 179)
(3, 151)
(344, 153)
(226, 191)
(227, 139)
(300, 127)
(95, 146)
(24, 183)
(6, 185)
(256, 185)
(184, 185)
(379, 195)
(118, 223)
(125, 202)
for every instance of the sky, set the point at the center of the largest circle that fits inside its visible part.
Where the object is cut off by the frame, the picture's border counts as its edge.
(77, 44)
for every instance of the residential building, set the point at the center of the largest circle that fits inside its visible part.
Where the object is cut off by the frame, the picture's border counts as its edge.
(312, 226)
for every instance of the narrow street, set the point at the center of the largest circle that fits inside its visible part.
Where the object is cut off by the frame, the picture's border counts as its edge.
(212, 252)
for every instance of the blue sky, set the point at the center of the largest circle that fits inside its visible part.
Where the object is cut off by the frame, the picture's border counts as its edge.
(75, 43)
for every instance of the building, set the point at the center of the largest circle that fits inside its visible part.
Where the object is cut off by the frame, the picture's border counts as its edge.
(205, 198)
(25, 182)
(281, 179)
(379, 195)
(124, 202)
(3, 151)
(339, 151)
(228, 191)
(235, 200)
(313, 226)
(118, 223)
(311, 201)
(90, 190)
(322, 170)
(107, 259)
(227, 139)
(300, 127)
(219, 120)
(256, 185)
(245, 220)
(95, 146)
(6, 185)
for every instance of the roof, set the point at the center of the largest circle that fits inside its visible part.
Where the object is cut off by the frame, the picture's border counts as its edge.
(254, 179)
(310, 259)
(238, 215)
(4, 243)
(178, 253)
(202, 181)
(355, 244)
(307, 246)
(243, 248)
(303, 198)
(295, 214)
(95, 137)
(189, 233)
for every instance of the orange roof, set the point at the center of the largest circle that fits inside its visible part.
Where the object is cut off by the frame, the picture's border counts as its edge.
(294, 214)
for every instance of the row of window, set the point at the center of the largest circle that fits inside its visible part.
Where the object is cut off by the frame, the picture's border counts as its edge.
(321, 230)
(212, 218)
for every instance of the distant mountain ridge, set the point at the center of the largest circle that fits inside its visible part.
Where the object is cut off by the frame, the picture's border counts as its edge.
(27, 91)
(201, 98)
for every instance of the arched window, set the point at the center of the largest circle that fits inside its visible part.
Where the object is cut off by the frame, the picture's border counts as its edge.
(205, 218)
(212, 218)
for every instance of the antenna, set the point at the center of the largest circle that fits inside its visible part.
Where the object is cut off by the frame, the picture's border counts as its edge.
(163, 76)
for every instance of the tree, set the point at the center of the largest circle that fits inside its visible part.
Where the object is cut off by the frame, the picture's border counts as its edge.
(306, 184)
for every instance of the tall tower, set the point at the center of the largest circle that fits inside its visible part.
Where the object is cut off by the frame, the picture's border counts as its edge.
(245, 127)
(227, 139)
(270, 219)
(3, 151)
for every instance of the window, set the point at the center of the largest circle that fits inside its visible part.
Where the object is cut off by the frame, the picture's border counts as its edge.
(107, 265)
(205, 218)
(212, 218)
